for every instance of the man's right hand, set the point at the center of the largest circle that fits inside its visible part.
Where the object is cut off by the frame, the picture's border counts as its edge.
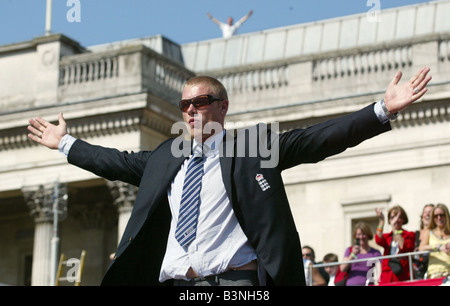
(46, 133)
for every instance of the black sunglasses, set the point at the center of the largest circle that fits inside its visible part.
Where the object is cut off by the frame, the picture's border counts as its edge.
(199, 102)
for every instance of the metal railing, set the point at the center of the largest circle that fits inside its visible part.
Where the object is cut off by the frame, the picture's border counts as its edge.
(378, 258)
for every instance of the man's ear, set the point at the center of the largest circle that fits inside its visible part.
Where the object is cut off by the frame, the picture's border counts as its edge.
(224, 107)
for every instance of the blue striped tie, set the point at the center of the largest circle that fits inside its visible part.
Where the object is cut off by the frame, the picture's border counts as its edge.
(190, 202)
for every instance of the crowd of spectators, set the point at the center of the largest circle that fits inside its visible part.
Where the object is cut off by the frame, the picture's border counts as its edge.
(358, 269)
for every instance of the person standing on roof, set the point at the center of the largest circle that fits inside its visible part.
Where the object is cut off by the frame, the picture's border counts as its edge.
(229, 29)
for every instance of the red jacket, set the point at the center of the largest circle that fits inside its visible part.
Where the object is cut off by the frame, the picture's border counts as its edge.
(387, 276)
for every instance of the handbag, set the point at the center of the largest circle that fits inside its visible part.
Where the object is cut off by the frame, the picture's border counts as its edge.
(395, 265)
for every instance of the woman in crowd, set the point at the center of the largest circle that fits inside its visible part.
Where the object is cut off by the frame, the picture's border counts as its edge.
(437, 240)
(420, 262)
(357, 272)
(395, 242)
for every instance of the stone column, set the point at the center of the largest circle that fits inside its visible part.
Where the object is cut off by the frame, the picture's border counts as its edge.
(40, 202)
(124, 196)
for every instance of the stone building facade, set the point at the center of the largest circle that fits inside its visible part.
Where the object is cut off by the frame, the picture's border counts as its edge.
(125, 94)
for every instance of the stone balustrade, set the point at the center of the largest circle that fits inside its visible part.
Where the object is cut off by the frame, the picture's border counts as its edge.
(129, 70)
(96, 69)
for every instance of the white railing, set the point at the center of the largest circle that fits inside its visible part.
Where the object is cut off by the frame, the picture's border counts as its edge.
(378, 259)
(165, 75)
(362, 63)
(256, 80)
(444, 51)
(89, 71)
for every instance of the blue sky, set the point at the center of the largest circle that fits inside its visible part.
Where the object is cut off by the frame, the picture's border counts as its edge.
(182, 21)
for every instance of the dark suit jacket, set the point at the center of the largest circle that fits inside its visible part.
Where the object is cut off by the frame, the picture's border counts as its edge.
(264, 216)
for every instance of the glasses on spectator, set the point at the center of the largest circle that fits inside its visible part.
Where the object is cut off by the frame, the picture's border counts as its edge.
(439, 215)
(307, 255)
(199, 102)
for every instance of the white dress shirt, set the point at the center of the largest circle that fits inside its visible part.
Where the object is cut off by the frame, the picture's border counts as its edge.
(229, 30)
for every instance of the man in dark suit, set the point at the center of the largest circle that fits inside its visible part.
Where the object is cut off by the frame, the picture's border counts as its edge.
(242, 231)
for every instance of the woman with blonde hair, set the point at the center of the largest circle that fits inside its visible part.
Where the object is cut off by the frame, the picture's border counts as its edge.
(420, 262)
(437, 240)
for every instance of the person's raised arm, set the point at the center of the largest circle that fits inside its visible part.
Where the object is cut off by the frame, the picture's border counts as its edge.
(46, 133)
(380, 215)
(109, 163)
(213, 19)
(396, 236)
(243, 19)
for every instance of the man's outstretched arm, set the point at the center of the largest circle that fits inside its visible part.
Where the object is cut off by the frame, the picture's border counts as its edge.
(104, 162)
(334, 136)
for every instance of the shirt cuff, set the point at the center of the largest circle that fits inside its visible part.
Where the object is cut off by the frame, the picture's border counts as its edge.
(381, 115)
(65, 144)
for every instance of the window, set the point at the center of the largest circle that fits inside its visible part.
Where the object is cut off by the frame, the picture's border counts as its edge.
(363, 209)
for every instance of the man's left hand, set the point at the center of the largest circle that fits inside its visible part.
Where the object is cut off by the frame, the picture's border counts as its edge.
(398, 97)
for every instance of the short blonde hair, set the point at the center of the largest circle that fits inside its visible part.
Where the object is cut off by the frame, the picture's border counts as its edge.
(216, 86)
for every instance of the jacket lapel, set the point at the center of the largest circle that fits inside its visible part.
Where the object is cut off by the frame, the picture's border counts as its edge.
(169, 167)
(152, 190)
(161, 169)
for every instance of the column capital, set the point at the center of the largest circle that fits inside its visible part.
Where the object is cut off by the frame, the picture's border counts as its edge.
(40, 200)
(123, 195)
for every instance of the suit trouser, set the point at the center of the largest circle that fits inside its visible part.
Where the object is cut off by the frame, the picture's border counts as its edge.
(228, 278)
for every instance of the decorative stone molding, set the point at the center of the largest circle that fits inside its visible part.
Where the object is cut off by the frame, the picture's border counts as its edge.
(114, 123)
(444, 50)
(14, 139)
(163, 77)
(110, 124)
(352, 65)
(257, 79)
(130, 68)
(123, 194)
(423, 113)
(91, 207)
(88, 71)
(90, 215)
(40, 200)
